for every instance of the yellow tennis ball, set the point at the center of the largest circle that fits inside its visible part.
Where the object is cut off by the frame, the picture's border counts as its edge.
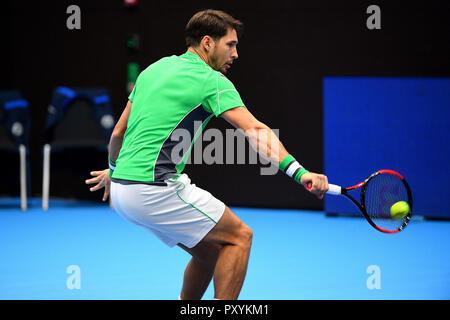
(400, 209)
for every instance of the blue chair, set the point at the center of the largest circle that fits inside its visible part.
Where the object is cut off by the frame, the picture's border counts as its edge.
(76, 118)
(15, 124)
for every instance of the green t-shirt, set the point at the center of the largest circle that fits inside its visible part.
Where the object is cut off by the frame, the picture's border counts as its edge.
(174, 97)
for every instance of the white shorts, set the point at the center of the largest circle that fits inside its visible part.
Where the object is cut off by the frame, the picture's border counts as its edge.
(177, 213)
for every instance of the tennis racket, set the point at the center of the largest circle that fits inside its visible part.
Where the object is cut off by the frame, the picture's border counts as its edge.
(377, 195)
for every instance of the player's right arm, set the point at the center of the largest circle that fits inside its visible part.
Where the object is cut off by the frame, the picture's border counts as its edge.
(267, 144)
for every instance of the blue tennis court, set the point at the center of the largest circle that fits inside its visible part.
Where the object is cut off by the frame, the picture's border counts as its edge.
(296, 255)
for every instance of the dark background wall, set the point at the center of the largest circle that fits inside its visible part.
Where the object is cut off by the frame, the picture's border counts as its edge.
(286, 50)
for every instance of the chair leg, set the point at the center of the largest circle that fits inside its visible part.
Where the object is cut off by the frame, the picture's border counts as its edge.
(46, 177)
(23, 177)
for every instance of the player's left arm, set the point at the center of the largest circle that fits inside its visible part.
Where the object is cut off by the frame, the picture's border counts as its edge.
(115, 143)
(102, 178)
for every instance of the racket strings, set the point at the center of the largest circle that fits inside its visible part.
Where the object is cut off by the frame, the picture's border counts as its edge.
(382, 191)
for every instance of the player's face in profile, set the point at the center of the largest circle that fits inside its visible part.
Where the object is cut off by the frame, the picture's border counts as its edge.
(225, 51)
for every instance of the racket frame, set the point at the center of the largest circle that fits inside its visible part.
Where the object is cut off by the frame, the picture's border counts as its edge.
(361, 206)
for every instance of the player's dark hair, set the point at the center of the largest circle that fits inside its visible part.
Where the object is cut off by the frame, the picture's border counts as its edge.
(213, 23)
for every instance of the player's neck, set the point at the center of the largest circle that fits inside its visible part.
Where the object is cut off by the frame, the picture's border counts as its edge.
(200, 53)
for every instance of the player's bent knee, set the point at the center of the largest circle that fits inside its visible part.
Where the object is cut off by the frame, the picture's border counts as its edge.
(230, 230)
(246, 236)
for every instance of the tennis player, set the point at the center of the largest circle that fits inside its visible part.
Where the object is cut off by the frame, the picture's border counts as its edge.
(149, 188)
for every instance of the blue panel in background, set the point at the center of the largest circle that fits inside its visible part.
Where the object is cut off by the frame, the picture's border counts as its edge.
(401, 124)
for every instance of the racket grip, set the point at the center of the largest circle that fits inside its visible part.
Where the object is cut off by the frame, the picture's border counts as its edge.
(332, 188)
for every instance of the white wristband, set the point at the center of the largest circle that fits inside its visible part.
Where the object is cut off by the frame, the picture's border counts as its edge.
(292, 168)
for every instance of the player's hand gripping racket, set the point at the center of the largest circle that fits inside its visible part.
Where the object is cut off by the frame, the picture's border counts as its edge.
(378, 194)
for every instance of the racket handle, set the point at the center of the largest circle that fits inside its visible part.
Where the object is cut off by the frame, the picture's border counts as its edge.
(332, 188)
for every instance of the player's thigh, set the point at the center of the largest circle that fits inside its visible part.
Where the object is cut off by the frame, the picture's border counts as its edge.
(229, 230)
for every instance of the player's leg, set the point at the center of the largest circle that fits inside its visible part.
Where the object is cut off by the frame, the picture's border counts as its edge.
(201, 212)
(231, 266)
(224, 253)
(200, 269)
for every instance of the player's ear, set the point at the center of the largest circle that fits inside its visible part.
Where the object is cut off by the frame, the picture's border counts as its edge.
(207, 43)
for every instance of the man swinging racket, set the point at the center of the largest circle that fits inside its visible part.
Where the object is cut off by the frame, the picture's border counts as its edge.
(149, 188)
